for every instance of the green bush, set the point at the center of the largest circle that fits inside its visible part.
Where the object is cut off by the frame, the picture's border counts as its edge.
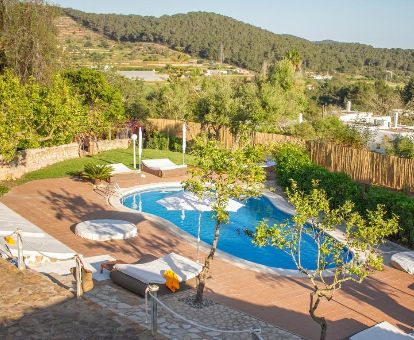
(396, 203)
(157, 140)
(3, 190)
(293, 162)
(97, 172)
(176, 144)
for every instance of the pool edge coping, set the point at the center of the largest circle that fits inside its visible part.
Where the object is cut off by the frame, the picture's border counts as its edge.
(275, 199)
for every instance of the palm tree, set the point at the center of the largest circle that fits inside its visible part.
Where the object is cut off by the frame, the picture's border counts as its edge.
(295, 58)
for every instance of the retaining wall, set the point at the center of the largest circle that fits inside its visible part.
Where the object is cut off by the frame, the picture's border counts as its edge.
(35, 159)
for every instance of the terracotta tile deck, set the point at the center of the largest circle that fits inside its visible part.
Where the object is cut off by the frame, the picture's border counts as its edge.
(56, 205)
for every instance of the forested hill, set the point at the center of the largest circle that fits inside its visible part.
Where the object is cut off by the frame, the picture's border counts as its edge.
(201, 34)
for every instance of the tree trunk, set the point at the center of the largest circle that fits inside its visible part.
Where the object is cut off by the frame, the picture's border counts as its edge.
(203, 275)
(314, 303)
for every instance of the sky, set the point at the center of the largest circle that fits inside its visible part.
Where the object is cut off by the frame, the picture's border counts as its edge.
(380, 23)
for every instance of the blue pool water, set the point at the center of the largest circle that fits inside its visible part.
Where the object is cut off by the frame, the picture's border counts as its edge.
(232, 239)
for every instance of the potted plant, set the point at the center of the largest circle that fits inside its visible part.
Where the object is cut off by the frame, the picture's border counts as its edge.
(96, 173)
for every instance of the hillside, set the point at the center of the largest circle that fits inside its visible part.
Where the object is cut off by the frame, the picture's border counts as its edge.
(84, 47)
(201, 34)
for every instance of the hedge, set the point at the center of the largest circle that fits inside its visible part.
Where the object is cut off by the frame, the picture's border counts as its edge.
(293, 162)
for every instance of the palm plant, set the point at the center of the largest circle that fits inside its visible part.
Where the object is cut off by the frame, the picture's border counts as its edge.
(96, 172)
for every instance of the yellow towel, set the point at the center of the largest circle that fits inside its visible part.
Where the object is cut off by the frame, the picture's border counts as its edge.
(9, 240)
(172, 282)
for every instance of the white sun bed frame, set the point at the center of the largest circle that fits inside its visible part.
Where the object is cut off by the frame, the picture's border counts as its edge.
(163, 168)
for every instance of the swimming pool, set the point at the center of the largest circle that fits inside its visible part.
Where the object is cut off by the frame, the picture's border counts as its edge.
(233, 239)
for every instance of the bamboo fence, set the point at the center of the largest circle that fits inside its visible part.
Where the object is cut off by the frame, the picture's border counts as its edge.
(362, 165)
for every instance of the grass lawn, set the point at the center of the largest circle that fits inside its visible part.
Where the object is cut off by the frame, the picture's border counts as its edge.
(72, 167)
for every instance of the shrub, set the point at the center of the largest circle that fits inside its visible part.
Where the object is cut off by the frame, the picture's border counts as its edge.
(176, 144)
(395, 203)
(97, 172)
(3, 190)
(293, 162)
(157, 140)
(401, 147)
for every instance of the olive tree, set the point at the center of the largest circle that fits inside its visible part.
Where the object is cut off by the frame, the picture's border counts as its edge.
(28, 39)
(352, 258)
(218, 176)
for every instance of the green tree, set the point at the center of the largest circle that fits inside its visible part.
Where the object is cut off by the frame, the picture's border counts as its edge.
(332, 129)
(134, 96)
(282, 98)
(13, 108)
(401, 146)
(249, 114)
(103, 101)
(407, 93)
(218, 176)
(295, 59)
(215, 104)
(315, 218)
(174, 100)
(282, 74)
(28, 42)
(35, 115)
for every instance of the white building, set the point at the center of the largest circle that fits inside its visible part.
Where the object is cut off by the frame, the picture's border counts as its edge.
(382, 128)
(144, 75)
(216, 72)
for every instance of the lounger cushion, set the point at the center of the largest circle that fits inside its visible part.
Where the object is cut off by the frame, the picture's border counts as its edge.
(153, 272)
(404, 261)
(119, 168)
(161, 164)
(381, 331)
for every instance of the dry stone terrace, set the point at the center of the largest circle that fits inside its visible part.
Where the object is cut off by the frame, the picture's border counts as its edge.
(57, 205)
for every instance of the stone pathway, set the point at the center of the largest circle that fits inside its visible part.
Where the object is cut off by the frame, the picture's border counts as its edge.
(216, 316)
(33, 307)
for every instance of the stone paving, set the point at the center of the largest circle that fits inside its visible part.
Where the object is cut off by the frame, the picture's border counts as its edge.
(33, 307)
(215, 316)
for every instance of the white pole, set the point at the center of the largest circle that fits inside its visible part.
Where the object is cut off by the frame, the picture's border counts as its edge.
(139, 148)
(20, 263)
(134, 139)
(184, 141)
(154, 313)
(198, 234)
(79, 291)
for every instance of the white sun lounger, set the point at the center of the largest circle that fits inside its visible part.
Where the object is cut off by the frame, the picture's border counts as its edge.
(153, 272)
(163, 167)
(382, 331)
(119, 168)
(404, 261)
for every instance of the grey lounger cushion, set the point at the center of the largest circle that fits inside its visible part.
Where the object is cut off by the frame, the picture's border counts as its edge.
(138, 287)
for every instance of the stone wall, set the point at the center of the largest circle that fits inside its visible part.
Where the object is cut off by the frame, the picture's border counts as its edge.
(105, 145)
(35, 159)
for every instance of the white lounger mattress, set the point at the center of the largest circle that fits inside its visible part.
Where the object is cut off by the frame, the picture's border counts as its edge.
(382, 331)
(404, 261)
(161, 164)
(153, 272)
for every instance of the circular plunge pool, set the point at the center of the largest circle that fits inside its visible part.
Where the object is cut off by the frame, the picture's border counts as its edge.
(233, 240)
